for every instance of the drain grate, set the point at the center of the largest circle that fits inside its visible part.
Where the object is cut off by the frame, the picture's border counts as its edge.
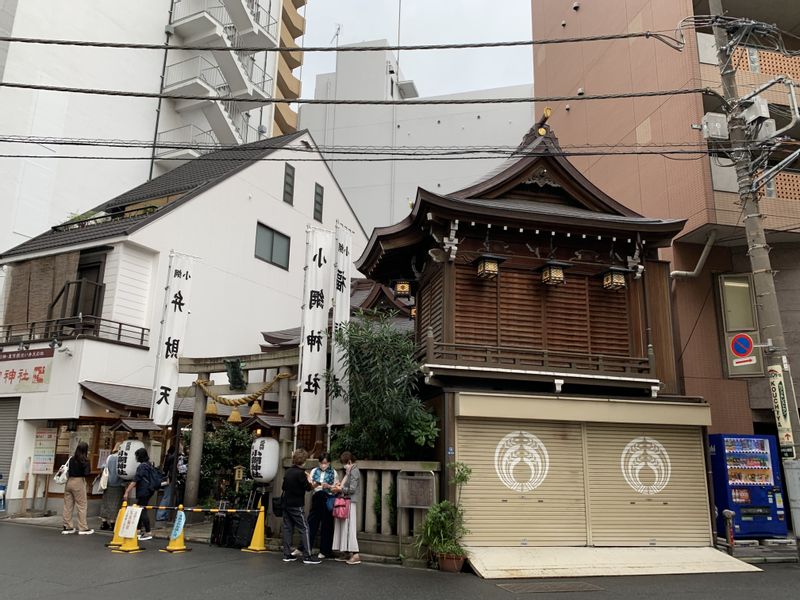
(535, 587)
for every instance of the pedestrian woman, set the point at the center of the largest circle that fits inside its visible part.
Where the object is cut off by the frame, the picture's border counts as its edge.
(112, 495)
(143, 491)
(75, 490)
(323, 478)
(344, 532)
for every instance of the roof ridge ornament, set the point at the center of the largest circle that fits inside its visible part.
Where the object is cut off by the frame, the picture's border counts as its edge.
(541, 178)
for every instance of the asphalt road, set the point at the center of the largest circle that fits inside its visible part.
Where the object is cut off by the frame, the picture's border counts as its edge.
(37, 562)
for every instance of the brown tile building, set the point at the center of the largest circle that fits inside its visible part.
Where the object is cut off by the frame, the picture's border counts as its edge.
(689, 187)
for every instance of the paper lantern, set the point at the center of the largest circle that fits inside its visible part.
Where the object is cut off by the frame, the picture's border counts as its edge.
(126, 459)
(264, 458)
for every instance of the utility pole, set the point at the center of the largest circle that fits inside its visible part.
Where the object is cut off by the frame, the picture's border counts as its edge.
(769, 317)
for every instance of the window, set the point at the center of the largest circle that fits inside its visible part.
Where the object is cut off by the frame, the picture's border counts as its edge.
(737, 303)
(318, 192)
(288, 184)
(272, 246)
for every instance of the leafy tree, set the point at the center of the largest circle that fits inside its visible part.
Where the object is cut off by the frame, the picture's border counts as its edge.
(223, 449)
(387, 419)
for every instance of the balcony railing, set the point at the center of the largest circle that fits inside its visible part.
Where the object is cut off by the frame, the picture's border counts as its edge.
(84, 326)
(188, 8)
(262, 13)
(474, 355)
(196, 67)
(187, 136)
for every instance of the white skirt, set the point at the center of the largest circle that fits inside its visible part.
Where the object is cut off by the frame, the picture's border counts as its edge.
(345, 530)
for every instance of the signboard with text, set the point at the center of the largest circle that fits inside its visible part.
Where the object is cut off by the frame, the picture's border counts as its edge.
(780, 405)
(25, 370)
(44, 450)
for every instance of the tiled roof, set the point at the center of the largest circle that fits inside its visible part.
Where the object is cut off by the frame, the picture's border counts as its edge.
(194, 176)
(201, 170)
(138, 398)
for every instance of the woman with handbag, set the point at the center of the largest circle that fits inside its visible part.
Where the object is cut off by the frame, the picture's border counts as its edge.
(75, 490)
(112, 486)
(345, 512)
(323, 478)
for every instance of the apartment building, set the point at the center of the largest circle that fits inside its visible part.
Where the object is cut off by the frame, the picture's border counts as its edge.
(712, 307)
(41, 190)
(382, 192)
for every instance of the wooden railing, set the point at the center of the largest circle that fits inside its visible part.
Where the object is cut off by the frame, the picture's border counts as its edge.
(85, 326)
(527, 358)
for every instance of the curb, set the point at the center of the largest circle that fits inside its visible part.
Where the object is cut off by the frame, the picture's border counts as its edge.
(761, 560)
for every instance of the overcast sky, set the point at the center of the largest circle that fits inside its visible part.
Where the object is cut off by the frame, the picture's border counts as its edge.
(428, 22)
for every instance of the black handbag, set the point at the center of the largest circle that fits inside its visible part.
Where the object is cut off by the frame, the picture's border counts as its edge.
(277, 506)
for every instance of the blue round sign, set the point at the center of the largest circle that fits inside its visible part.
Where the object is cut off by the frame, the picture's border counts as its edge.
(741, 345)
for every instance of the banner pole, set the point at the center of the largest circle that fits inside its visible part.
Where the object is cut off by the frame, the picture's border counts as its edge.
(302, 333)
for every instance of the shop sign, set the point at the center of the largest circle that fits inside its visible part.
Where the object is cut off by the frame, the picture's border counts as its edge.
(780, 406)
(645, 453)
(25, 370)
(44, 451)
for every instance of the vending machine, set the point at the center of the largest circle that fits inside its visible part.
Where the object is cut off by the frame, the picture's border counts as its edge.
(747, 480)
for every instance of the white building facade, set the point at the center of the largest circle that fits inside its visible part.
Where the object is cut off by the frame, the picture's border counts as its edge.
(381, 192)
(42, 190)
(244, 222)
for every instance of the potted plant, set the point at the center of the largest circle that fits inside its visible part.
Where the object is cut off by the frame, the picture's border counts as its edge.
(443, 527)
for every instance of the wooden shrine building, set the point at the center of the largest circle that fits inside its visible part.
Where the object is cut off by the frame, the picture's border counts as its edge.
(544, 331)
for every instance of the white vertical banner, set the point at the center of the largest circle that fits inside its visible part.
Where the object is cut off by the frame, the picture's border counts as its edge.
(314, 334)
(177, 303)
(339, 407)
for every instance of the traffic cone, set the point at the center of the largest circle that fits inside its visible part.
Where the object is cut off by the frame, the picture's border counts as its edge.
(117, 540)
(129, 545)
(257, 545)
(179, 543)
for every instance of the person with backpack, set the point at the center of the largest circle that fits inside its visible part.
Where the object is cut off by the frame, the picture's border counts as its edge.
(75, 490)
(146, 482)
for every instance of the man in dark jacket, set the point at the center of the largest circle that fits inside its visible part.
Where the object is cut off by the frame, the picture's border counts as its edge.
(296, 482)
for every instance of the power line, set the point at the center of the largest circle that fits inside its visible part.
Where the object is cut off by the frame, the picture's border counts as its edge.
(660, 36)
(424, 102)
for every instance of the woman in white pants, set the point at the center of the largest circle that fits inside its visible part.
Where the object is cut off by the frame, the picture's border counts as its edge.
(345, 530)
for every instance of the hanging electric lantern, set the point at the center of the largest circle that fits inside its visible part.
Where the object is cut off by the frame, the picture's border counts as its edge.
(488, 265)
(402, 288)
(614, 278)
(553, 272)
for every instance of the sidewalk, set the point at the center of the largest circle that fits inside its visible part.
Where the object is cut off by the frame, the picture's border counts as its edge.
(767, 551)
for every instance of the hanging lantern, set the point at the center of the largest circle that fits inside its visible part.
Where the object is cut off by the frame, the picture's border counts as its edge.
(211, 407)
(235, 417)
(126, 459)
(614, 279)
(255, 409)
(553, 272)
(264, 459)
(488, 266)
(402, 288)
(413, 312)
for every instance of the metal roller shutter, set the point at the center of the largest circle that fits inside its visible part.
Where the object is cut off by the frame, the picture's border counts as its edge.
(9, 409)
(669, 506)
(548, 506)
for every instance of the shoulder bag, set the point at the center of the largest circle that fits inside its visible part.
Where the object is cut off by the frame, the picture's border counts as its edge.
(63, 473)
(341, 508)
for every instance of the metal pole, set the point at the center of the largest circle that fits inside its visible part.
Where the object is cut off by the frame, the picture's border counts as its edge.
(196, 444)
(775, 354)
(168, 34)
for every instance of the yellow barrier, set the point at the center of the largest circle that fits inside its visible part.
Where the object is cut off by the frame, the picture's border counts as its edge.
(117, 540)
(257, 541)
(130, 545)
(179, 543)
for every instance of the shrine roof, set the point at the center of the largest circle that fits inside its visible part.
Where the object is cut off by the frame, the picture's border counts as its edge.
(536, 187)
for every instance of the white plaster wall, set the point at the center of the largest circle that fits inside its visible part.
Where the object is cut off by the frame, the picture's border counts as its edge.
(235, 295)
(381, 191)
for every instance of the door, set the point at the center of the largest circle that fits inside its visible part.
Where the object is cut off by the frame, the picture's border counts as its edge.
(9, 409)
(647, 485)
(527, 485)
